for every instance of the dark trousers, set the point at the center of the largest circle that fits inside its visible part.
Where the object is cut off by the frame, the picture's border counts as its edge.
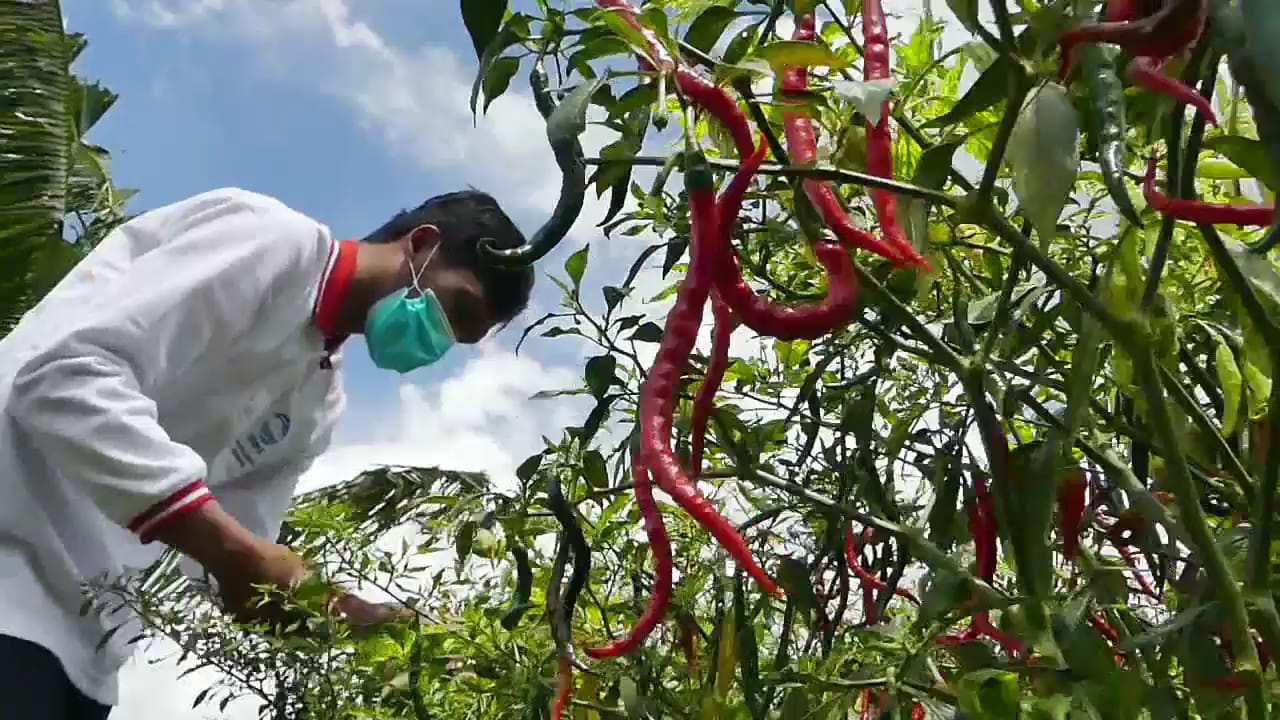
(33, 686)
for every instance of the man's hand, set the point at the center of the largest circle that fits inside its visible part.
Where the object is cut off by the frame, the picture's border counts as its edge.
(238, 559)
(266, 564)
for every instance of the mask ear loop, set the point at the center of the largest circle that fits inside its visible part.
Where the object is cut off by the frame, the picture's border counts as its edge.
(416, 274)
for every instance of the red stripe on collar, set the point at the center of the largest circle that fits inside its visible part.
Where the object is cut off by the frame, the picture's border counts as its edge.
(333, 289)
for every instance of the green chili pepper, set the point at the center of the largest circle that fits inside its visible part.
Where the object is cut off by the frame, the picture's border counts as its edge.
(1107, 123)
(524, 587)
(573, 187)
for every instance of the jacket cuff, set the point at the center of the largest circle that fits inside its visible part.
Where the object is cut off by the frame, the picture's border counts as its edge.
(181, 503)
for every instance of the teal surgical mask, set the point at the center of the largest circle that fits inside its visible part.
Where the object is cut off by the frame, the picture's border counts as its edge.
(405, 333)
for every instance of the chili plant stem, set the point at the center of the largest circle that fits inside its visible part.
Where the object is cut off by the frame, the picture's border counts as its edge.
(1076, 290)
(817, 172)
(929, 554)
(1188, 498)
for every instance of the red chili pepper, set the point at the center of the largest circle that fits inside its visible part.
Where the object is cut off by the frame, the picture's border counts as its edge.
(564, 689)
(717, 364)
(875, 63)
(802, 145)
(786, 322)
(1232, 683)
(657, 394)
(1152, 38)
(870, 583)
(1071, 502)
(660, 546)
(982, 525)
(917, 712)
(866, 704)
(1108, 632)
(1199, 211)
(1145, 584)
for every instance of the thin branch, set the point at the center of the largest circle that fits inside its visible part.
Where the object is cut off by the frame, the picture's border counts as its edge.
(818, 172)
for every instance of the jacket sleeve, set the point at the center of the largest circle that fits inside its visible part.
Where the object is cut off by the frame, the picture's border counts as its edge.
(85, 401)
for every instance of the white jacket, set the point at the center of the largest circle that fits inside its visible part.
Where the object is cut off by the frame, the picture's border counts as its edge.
(182, 359)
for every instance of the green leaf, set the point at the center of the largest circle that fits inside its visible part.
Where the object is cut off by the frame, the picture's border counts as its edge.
(576, 265)
(647, 332)
(1231, 381)
(989, 694)
(482, 19)
(794, 577)
(706, 29)
(498, 79)
(990, 88)
(1044, 155)
(569, 119)
(201, 696)
(529, 467)
(741, 44)
(1248, 154)
(966, 11)
(594, 469)
(600, 374)
(464, 539)
(794, 53)
(797, 706)
(726, 656)
(631, 699)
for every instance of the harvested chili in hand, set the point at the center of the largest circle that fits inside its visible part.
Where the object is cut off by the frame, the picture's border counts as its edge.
(660, 546)
(1199, 211)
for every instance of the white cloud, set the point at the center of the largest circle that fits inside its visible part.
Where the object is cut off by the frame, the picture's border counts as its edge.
(483, 419)
(415, 100)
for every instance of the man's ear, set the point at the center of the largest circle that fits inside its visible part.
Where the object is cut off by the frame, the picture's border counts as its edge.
(424, 236)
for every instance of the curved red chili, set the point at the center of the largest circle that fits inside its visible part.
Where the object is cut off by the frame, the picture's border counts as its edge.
(1152, 39)
(869, 581)
(1199, 211)
(917, 712)
(1071, 503)
(802, 145)
(786, 322)
(657, 394)
(875, 63)
(725, 323)
(982, 525)
(660, 546)
(564, 688)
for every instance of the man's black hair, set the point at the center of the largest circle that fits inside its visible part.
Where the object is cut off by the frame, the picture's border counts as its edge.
(464, 218)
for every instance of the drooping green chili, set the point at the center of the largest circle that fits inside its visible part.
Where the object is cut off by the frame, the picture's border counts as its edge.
(524, 587)
(1107, 123)
(573, 187)
(577, 544)
(560, 607)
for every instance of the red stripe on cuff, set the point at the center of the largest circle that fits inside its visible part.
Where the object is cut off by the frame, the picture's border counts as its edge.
(185, 500)
(333, 288)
